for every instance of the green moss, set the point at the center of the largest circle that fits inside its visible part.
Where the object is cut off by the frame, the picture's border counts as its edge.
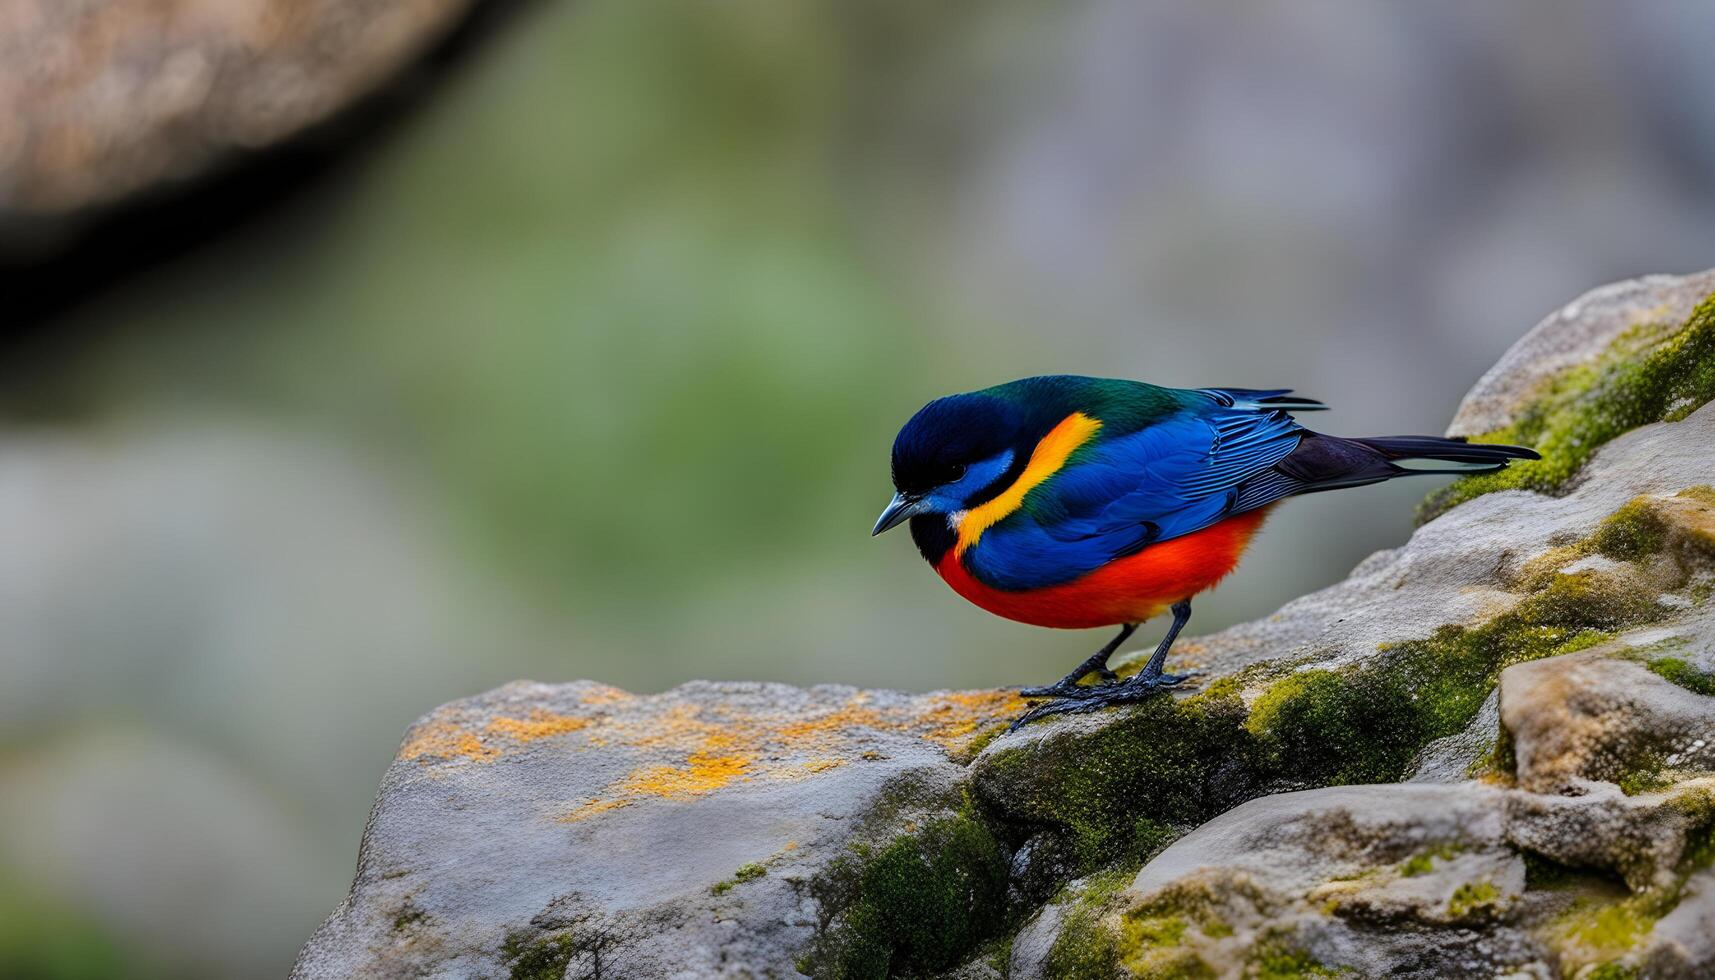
(1581, 601)
(1118, 792)
(1366, 723)
(1603, 931)
(539, 958)
(1630, 533)
(1159, 939)
(1084, 950)
(998, 955)
(1684, 674)
(1423, 862)
(1472, 897)
(979, 741)
(1645, 526)
(1154, 949)
(1702, 493)
(1700, 851)
(1150, 837)
(1643, 377)
(748, 872)
(1331, 727)
(921, 903)
(1499, 762)
(1277, 959)
(1153, 946)
(1087, 949)
(1163, 930)
(1612, 971)
(1647, 776)
(408, 916)
(1154, 761)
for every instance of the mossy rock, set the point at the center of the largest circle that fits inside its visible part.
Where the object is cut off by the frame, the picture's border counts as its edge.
(1169, 761)
(1652, 373)
(917, 904)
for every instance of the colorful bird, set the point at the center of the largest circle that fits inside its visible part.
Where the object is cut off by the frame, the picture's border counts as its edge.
(1076, 502)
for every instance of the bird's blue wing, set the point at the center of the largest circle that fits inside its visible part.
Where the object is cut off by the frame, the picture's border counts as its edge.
(1169, 479)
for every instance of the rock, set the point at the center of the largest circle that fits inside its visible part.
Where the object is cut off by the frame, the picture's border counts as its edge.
(668, 835)
(106, 98)
(1359, 877)
(1682, 944)
(1595, 716)
(1574, 335)
(1411, 881)
(1554, 818)
(1453, 758)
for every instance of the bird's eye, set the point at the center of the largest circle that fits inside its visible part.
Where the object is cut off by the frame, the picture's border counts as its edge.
(956, 474)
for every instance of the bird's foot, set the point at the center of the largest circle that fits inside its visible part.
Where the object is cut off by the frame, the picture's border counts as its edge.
(1082, 699)
(1069, 688)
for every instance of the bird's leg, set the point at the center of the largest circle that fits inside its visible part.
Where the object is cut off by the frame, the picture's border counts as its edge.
(1097, 663)
(1148, 682)
(1151, 672)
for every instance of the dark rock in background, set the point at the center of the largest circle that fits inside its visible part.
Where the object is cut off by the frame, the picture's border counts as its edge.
(104, 99)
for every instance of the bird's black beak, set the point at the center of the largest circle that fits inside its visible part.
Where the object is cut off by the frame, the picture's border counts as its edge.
(899, 510)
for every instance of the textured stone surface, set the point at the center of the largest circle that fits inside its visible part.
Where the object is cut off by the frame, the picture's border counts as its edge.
(1418, 880)
(1557, 821)
(1682, 944)
(672, 834)
(1572, 335)
(103, 98)
(1594, 715)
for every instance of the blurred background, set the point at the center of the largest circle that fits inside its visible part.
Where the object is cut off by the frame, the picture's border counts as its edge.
(576, 349)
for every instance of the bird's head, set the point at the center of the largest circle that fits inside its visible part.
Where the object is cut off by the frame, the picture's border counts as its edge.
(954, 454)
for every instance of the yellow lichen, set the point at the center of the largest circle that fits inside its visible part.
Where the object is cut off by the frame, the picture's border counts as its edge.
(540, 724)
(686, 750)
(704, 772)
(445, 740)
(957, 715)
(592, 808)
(607, 695)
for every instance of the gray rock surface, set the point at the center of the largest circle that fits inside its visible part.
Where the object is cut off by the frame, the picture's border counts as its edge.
(103, 98)
(667, 835)
(1682, 944)
(1573, 335)
(1558, 816)
(1593, 715)
(1413, 881)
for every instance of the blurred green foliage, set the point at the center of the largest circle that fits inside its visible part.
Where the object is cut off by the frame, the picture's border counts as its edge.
(42, 938)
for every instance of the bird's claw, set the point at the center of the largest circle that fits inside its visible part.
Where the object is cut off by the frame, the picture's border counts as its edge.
(1079, 699)
(1075, 692)
(1067, 687)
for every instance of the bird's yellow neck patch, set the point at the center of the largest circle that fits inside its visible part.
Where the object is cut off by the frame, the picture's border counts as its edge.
(1045, 460)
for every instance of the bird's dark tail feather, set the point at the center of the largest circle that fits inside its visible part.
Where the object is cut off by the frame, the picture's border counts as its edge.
(1467, 457)
(1322, 462)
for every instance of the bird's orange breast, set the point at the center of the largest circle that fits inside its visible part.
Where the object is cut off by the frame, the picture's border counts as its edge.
(1126, 590)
